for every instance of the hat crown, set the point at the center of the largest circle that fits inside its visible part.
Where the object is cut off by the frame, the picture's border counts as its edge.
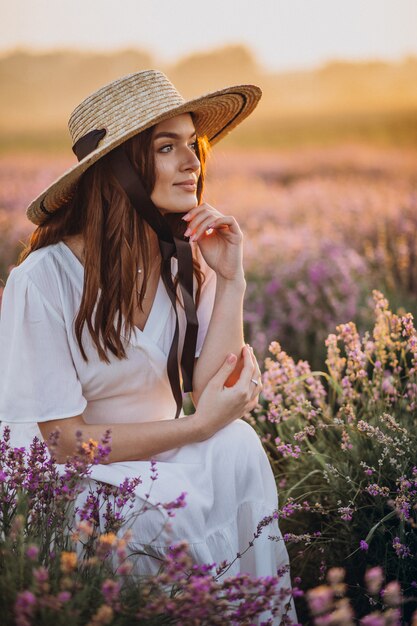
(131, 102)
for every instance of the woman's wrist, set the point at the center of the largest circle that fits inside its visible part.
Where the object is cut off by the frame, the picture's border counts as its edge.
(197, 427)
(238, 282)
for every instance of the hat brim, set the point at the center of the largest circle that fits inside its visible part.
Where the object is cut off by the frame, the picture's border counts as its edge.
(215, 115)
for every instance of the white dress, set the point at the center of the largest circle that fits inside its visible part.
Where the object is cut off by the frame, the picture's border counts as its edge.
(228, 481)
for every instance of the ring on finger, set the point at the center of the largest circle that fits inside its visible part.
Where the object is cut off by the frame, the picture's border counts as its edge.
(254, 381)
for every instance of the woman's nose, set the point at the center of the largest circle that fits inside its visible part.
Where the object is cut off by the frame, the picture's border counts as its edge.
(191, 161)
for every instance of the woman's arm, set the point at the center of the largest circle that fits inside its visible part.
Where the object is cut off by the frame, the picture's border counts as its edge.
(129, 442)
(223, 252)
(224, 334)
(218, 407)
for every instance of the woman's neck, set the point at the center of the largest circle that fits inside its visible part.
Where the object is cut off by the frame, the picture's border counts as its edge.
(76, 245)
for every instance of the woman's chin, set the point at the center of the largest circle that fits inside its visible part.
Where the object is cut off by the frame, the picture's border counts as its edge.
(183, 208)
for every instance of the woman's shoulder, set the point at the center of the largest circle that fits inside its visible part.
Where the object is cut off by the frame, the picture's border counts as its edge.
(47, 271)
(47, 263)
(36, 261)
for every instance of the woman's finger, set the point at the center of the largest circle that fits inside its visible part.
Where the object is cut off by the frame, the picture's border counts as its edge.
(225, 226)
(258, 373)
(244, 383)
(203, 228)
(256, 378)
(229, 221)
(255, 393)
(201, 209)
(194, 223)
(251, 405)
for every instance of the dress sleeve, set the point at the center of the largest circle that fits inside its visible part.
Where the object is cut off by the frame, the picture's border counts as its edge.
(38, 379)
(205, 307)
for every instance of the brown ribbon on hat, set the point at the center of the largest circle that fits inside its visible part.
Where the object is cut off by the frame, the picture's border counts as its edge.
(170, 230)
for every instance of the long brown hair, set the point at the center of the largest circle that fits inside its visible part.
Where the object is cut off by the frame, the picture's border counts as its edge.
(116, 243)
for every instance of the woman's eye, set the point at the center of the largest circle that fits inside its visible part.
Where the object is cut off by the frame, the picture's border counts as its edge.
(167, 147)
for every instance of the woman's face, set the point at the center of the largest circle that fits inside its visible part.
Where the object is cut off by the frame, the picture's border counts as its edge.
(177, 167)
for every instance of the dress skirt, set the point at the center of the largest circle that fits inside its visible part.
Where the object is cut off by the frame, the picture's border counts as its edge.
(229, 489)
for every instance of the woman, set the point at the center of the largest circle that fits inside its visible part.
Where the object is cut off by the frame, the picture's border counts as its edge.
(128, 280)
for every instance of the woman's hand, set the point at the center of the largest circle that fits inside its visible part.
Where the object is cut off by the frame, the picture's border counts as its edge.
(220, 405)
(221, 248)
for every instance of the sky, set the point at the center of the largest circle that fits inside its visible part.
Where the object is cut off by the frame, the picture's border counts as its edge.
(283, 34)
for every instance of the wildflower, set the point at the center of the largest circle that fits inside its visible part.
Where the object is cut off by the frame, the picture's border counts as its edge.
(393, 617)
(334, 361)
(335, 575)
(363, 545)
(41, 575)
(308, 431)
(346, 442)
(293, 538)
(374, 432)
(64, 596)
(373, 619)
(24, 608)
(103, 616)
(32, 552)
(108, 540)
(179, 503)
(289, 387)
(90, 448)
(401, 550)
(346, 513)
(41, 580)
(17, 526)
(392, 594)
(125, 568)
(289, 508)
(320, 599)
(154, 470)
(374, 578)
(287, 450)
(376, 490)
(110, 590)
(68, 562)
(86, 528)
(342, 613)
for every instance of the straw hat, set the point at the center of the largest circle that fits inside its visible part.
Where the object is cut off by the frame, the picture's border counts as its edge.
(128, 106)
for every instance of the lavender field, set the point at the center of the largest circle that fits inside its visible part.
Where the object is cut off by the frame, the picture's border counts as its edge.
(323, 227)
(330, 254)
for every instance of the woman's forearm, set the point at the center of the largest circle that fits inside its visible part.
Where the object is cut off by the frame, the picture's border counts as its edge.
(224, 334)
(129, 442)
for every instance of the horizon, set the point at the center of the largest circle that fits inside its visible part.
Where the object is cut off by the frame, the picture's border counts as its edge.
(46, 51)
(282, 36)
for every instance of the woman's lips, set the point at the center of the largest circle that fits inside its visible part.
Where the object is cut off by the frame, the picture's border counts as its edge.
(187, 186)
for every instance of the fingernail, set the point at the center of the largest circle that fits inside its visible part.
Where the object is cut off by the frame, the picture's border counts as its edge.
(186, 217)
(187, 232)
